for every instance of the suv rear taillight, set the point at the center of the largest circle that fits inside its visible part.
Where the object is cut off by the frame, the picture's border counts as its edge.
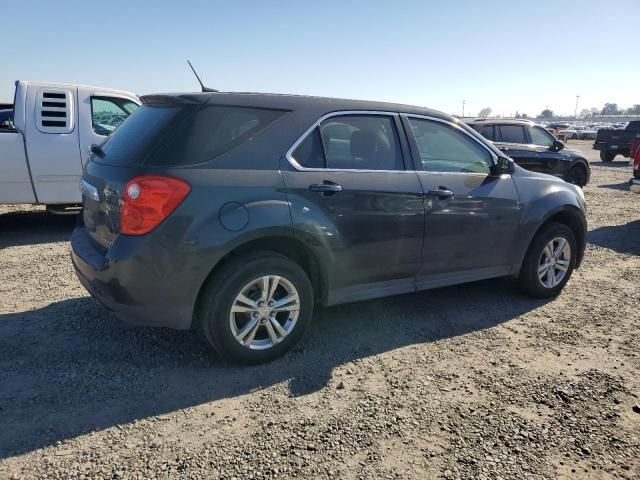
(149, 199)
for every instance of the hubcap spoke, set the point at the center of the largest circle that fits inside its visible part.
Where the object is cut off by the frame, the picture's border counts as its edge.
(274, 285)
(562, 243)
(240, 309)
(242, 298)
(273, 321)
(249, 331)
(264, 289)
(272, 333)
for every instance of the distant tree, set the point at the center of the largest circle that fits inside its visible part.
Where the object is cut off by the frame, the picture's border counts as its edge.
(524, 115)
(610, 109)
(546, 113)
(517, 115)
(585, 112)
(485, 112)
(594, 111)
(635, 110)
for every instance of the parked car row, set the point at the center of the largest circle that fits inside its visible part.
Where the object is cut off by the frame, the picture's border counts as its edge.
(257, 208)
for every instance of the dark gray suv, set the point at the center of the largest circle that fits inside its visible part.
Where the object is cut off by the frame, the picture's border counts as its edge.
(238, 213)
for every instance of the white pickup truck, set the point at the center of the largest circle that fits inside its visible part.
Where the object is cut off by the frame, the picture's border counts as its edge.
(46, 135)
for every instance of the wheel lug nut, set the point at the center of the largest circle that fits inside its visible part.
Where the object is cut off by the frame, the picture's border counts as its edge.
(272, 303)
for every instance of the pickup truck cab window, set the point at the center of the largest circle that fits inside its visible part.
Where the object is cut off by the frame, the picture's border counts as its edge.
(107, 113)
(352, 142)
(444, 148)
(541, 137)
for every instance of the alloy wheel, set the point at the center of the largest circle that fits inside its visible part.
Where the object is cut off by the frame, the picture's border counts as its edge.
(264, 312)
(554, 262)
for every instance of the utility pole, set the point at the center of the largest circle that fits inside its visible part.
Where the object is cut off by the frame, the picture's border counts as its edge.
(575, 114)
(463, 102)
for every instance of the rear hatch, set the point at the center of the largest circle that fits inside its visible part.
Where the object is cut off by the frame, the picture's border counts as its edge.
(118, 159)
(609, 136)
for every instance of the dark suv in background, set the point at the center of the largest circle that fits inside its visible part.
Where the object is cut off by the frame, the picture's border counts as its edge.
(535, 148)
(239, 213)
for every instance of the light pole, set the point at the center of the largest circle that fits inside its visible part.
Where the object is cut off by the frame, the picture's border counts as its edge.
(463, 102)
(575, 113)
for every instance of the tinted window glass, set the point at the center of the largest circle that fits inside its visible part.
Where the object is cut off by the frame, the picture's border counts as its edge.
(210, 132)
(487, 132)
(131, 143)
(309, 153)
(540, 136)
(361, 142)
(446, 149)
(512, 134)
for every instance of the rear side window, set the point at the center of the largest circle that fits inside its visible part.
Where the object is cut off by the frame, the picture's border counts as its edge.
(212, 131)
(142, 130)
(352, 142)
(512, 134)
(107, 113)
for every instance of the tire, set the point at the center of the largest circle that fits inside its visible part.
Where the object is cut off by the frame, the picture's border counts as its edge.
(636, 173)
(529, 280)
(574, 137)
(577, 175)
(607, 157)
(243, 275)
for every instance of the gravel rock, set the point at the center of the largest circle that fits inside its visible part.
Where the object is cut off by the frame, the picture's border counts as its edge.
(467, 382)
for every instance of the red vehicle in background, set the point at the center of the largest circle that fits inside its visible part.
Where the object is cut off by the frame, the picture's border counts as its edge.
(634, 183)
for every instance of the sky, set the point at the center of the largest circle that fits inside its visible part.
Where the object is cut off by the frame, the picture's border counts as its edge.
(510, 56)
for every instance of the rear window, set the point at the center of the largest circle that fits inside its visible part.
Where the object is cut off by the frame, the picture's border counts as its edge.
(130, 143)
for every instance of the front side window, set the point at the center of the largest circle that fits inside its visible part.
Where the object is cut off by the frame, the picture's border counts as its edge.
(352, 142)
(444, 148)
(107, 113)
(512, 134)
(539, 136)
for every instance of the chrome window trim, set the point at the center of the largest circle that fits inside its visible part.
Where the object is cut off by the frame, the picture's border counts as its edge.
(494, 157)
(339, 113)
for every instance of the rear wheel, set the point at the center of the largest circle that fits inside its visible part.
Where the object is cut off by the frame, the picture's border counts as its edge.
(549, 262)
(607, 156)
(256, 308)
(577, 175)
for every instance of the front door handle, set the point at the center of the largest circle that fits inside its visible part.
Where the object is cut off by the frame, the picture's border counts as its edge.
(326, 188)
(441, 192)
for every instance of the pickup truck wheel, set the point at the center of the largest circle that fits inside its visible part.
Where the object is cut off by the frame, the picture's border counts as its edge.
(577, 175)
(607, 157)
(549, 262)
(256, 308)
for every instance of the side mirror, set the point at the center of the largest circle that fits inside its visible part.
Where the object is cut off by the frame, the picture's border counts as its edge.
(557, 146)
(503, 165)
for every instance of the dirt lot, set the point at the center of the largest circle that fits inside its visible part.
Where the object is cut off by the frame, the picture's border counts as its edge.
(473, 381)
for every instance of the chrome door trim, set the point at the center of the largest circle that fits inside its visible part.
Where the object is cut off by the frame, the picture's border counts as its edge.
(303, 137)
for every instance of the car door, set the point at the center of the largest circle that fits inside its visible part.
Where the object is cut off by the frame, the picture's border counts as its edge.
(101, 114)
(472, 215)
(513, 141)
(549, 160)
(351, 195)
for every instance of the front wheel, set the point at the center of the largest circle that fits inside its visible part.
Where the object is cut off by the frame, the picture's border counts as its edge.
(607, 157)
(549, 262)
(256, 308)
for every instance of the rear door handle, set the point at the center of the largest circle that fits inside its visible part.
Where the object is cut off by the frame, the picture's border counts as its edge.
(326, 188)
(441, 192)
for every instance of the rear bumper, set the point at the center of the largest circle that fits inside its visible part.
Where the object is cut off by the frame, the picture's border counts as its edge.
(130, 282)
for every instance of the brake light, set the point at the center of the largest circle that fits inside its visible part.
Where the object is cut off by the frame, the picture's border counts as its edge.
(147, 200)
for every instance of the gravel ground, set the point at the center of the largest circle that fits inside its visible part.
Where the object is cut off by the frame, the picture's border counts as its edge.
(473, 381)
